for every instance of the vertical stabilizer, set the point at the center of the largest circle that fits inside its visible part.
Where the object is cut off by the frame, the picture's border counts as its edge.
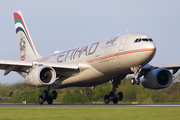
(26, 47)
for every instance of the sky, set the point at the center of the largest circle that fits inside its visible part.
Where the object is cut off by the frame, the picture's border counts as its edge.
(63, 24)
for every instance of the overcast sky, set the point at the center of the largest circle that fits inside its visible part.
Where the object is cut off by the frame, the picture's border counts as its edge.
(63, 24)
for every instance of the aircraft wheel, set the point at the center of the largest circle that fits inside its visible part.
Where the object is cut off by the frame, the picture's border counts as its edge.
(120, 94)
(115, 101)
(50, 100)
(45, 95)
(133, 81)
(137, 81)
(111, 95)
(106, 99)
(41, 100)
(54, 94)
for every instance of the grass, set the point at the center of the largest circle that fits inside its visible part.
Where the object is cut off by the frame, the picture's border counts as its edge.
(88, 113)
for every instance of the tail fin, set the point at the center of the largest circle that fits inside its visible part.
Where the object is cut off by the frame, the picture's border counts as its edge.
(26, 47)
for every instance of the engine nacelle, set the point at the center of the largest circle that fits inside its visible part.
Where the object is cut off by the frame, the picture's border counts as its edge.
(41, 76)
(157, 79)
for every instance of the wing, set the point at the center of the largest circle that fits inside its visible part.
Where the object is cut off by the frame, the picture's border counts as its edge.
(23, 66)
(167, 65)
(172, 66)
(12, 65)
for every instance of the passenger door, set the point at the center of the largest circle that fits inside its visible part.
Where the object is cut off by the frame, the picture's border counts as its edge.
(122, 43)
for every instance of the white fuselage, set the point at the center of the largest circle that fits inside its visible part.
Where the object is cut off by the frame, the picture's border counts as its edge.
(106, 58)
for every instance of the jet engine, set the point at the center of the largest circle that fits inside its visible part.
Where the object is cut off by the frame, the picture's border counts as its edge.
(157, 79)
(41, 76)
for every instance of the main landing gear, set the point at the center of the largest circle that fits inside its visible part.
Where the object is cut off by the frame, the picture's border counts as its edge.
(47, 96)
(112, 95)
(137, 75)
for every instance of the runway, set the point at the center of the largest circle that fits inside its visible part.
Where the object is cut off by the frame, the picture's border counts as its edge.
(91, 105)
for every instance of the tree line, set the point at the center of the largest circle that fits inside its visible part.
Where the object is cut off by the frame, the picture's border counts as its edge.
(16, 93)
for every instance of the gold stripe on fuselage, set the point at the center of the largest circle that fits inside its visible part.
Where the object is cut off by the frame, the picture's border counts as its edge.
(121, 53)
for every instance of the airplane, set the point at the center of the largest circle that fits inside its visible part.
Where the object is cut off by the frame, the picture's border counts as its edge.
(89, 65)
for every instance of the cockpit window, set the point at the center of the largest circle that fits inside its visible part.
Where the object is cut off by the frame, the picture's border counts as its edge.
(136, 40)
(143, 39)
(150, 40)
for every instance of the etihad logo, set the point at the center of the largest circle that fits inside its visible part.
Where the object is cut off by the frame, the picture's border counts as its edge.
(112, 41)
(77, 52)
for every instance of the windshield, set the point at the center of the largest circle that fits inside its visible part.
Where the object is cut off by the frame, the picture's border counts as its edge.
(143, 39)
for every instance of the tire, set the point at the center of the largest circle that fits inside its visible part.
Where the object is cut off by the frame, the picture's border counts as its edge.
(115, 101)
(54, 95)
(133, 81)
(49, 100)
(137, 81)
(41, 100)
(120, 94)
(106, 99)
(45, 95)
(111, 94)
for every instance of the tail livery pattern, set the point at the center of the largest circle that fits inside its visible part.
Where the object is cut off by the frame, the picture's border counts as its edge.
(26, 47)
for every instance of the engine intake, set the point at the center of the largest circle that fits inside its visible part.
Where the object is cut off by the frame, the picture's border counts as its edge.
(41, 76)
(46, 75)
(157, 79)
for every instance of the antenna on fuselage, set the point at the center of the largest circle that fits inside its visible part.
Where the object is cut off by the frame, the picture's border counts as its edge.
(56, 52)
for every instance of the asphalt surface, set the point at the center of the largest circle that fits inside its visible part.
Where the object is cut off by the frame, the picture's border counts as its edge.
(90, 105)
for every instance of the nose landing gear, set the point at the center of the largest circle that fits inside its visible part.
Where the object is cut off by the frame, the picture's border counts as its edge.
(137, 75)
(135, 81)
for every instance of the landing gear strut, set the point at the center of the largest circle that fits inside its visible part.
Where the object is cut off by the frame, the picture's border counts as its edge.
(112, 96)
(47, 97)
(137, 75)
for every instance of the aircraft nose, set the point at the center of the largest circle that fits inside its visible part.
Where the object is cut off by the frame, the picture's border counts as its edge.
(153, 47)
(150, 52)
(147, 53)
